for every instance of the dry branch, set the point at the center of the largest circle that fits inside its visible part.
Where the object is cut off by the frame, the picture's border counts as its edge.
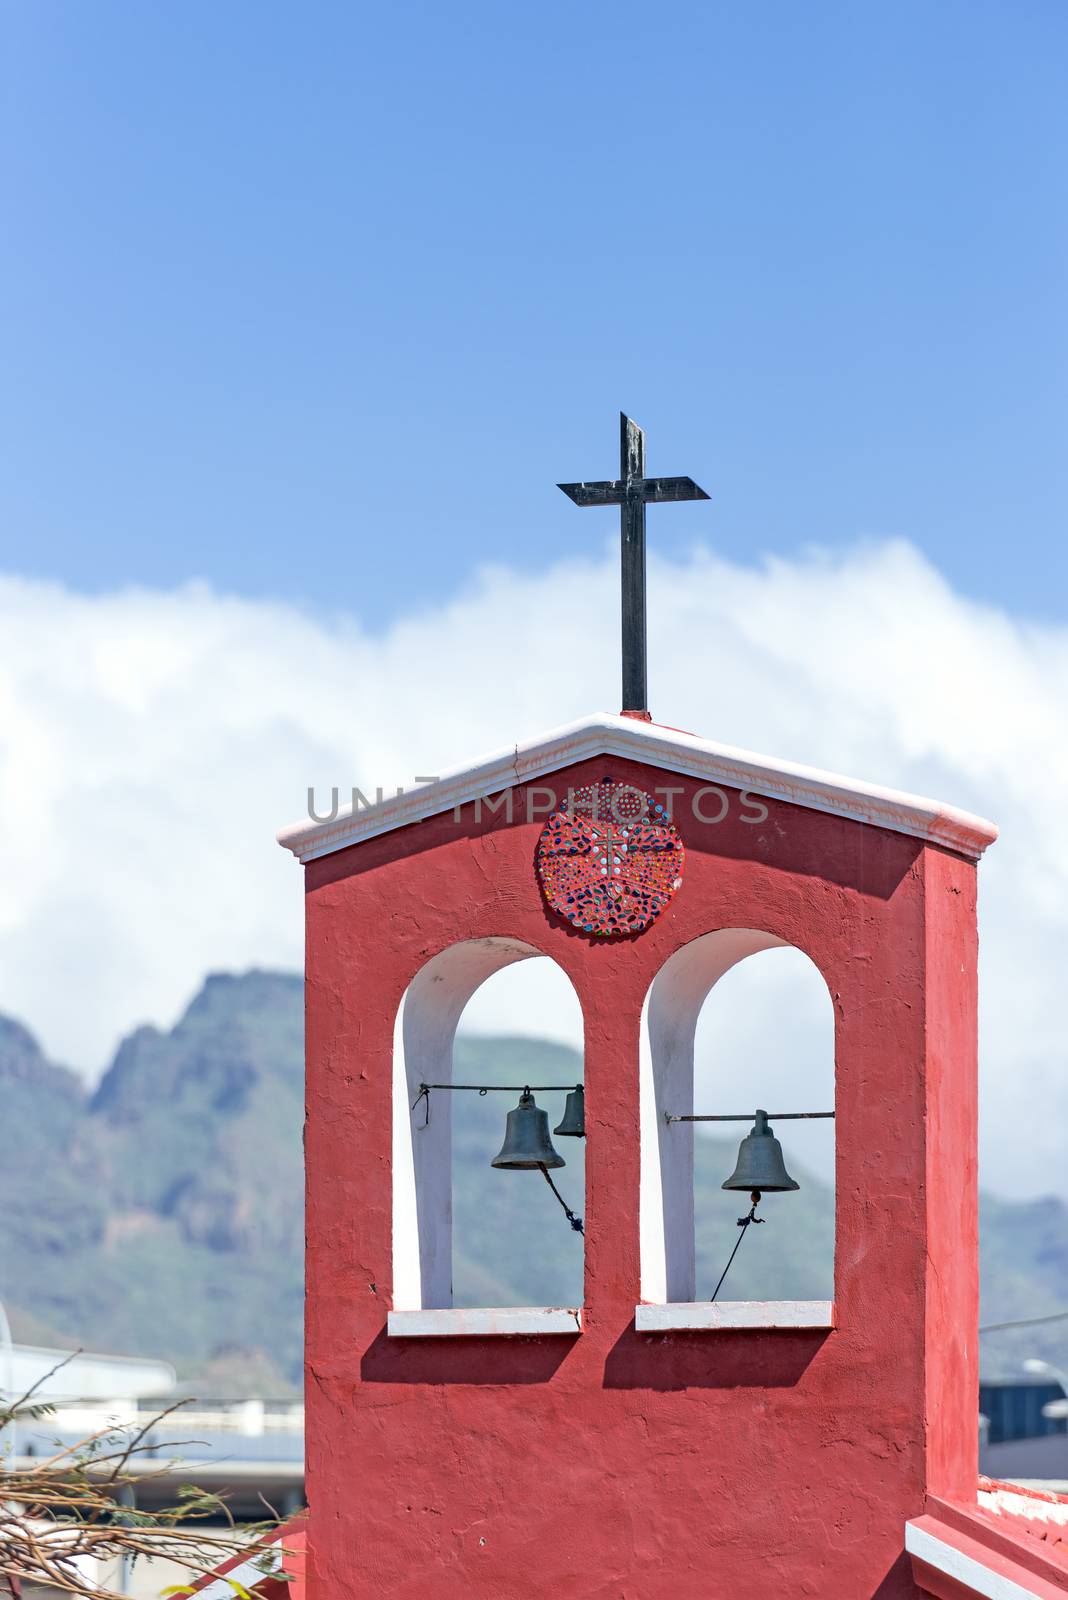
(59, 1511)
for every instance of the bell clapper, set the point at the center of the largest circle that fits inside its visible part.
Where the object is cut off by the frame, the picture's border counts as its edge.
(576, 1222)
(743, 1223)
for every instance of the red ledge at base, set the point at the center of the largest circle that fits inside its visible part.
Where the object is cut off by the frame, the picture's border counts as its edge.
(970, 1553)
(244, 1571)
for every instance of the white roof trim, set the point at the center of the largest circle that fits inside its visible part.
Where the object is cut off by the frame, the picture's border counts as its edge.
(1014, 1501)
(602, 734)
(973, 1576)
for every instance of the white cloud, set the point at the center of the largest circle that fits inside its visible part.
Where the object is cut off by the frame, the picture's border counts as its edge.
(151, 744)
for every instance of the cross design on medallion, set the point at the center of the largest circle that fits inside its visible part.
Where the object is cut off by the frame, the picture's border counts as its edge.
(610, 860)
(604, 845)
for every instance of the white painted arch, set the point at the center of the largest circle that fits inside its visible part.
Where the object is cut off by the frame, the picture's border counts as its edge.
(666, 1074)
(423, 1038)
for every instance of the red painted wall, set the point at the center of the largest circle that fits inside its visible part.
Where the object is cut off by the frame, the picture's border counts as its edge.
(725, 1466)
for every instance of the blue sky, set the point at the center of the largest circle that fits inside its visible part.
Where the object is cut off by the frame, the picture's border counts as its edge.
(320, 301)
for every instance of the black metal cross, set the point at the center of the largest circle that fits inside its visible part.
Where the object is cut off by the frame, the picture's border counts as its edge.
(632, 491)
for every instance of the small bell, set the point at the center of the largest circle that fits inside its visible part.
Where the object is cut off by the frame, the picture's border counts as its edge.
(573, 1121)
(760, 1163)
(527, 1145)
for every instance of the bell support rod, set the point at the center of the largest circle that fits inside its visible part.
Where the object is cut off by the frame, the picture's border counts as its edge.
(491, 1088)
(747, 1116)
(506, 1088)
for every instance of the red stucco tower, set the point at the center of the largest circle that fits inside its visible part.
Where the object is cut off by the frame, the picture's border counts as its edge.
(641, 1445)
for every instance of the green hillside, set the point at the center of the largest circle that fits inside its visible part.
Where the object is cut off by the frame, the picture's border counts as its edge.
(162, 1215)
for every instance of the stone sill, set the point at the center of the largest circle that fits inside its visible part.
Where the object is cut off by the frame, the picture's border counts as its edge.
(482, 1322)
(702, 1317)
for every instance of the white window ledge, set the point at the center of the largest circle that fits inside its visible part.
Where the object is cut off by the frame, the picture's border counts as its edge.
(702, 1316)
(478, 1322)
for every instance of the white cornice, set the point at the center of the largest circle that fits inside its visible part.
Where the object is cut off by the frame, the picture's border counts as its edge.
(602, 734)
(971, 1568)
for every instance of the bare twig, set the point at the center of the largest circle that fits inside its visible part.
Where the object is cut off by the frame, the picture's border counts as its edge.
(58, 1510)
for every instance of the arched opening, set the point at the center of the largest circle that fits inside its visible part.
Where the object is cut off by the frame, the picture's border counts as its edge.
(492, 1012)
(765, 1037)
(512, 1243)
(736, 1021)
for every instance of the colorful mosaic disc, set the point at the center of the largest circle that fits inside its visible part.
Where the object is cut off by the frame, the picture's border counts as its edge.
(610, 860)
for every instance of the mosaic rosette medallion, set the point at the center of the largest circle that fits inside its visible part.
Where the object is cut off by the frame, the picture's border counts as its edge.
(610, 859)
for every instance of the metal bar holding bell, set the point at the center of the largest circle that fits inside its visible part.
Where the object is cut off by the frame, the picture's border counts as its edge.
(747, 1116)
(505, 1088)
(574, 1107)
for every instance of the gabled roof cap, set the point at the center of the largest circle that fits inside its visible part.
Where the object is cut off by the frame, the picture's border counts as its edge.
(667, 748)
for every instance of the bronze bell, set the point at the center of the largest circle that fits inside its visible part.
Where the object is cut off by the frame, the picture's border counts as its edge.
(527, 1145)
(760, 1163)
(573, 1121)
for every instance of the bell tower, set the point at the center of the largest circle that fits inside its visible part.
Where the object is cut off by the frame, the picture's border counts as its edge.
(642, 1444)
